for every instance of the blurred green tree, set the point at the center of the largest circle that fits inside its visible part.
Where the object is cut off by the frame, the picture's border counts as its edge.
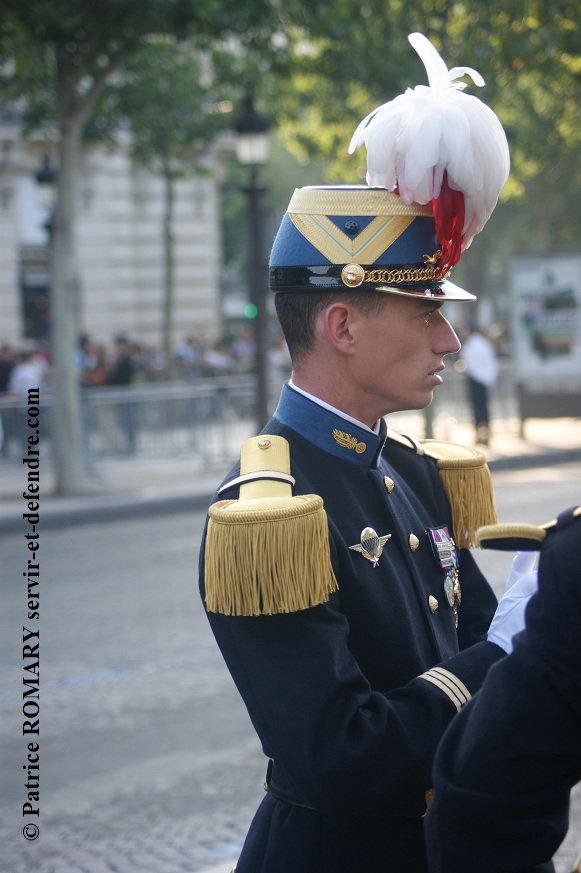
(57, 57)
(347, 58)
(350, 58)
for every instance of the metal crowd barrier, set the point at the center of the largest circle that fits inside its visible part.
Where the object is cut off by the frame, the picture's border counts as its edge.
(208, 419)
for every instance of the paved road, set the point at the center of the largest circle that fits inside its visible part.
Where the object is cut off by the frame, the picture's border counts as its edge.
(147, 759)
(148, 762)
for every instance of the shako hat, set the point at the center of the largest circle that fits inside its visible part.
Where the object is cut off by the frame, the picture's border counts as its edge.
(436, 162)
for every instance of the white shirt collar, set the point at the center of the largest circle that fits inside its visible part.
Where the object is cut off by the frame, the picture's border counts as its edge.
(333, 409)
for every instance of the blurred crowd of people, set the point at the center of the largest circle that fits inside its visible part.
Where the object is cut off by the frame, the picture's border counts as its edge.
(126, 362)
(23, 368)
(123, 362)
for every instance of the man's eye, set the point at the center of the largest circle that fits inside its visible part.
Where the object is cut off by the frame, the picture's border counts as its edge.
(428, 317)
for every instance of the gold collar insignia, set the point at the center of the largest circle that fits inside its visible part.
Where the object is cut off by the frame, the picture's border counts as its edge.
(346, 441)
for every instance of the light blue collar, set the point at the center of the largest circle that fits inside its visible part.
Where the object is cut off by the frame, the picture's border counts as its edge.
(332, 433)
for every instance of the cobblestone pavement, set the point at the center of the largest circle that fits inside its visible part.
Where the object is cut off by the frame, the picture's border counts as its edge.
(148, 761)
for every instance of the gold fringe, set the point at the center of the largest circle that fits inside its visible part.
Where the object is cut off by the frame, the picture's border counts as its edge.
(468, 485)
(268, 561)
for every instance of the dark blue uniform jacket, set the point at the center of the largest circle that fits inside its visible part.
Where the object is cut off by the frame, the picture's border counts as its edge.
(336, 692)
(507, 764)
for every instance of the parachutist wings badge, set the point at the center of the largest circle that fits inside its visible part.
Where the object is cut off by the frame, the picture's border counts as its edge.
(371, 545)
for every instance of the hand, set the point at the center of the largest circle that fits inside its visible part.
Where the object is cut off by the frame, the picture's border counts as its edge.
(523, 562)
(509, 618)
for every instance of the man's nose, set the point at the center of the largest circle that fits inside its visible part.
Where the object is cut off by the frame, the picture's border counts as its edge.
(447, 342)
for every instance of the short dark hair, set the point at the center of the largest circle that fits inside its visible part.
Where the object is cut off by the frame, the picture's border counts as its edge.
(298, 311)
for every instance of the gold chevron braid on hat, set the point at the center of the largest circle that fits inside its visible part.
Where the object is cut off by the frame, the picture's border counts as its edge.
(267, 552)
(516, 537)
(335, 245)
(468, 486)
(367, 201)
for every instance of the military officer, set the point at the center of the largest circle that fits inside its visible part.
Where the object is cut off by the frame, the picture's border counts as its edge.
(335, 568)
(505, 768)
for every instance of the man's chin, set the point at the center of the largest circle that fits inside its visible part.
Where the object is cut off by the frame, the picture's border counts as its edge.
(427, 401)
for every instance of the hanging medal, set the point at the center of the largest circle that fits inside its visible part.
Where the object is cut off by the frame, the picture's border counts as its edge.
(446, 555)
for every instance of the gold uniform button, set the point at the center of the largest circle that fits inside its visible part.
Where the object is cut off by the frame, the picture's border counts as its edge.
(414, 542)
(352, 275)
(433, 603)
(389, 484)
(264, 443)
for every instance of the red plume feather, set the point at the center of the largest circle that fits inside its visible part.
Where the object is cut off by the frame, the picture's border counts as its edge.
(448, 211)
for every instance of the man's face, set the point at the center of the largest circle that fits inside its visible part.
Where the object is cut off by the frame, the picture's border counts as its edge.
(399, 354)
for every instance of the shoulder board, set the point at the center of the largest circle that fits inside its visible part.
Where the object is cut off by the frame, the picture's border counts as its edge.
(439, 450)
(406, 441)
(442, 450)
(519, 537)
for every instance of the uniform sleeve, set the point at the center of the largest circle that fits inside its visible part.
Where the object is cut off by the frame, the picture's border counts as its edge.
(341, 745)
(504, 771)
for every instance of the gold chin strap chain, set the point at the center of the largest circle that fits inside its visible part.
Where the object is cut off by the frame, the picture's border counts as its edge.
(399, 277)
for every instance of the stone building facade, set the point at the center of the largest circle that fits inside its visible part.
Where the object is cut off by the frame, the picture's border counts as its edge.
(120, 248)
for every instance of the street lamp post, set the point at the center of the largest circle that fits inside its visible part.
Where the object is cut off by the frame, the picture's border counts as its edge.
(252, 150)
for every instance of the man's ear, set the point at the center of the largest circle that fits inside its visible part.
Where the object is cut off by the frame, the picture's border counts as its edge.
(336, 323)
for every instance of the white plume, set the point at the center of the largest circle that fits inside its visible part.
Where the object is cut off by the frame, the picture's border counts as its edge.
(433, 128)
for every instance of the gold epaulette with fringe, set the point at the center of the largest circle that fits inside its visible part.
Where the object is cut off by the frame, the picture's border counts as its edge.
(468, 485)
(267, 552)
(466, 480)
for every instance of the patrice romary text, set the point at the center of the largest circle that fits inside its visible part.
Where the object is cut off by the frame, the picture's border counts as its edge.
(31, 627)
